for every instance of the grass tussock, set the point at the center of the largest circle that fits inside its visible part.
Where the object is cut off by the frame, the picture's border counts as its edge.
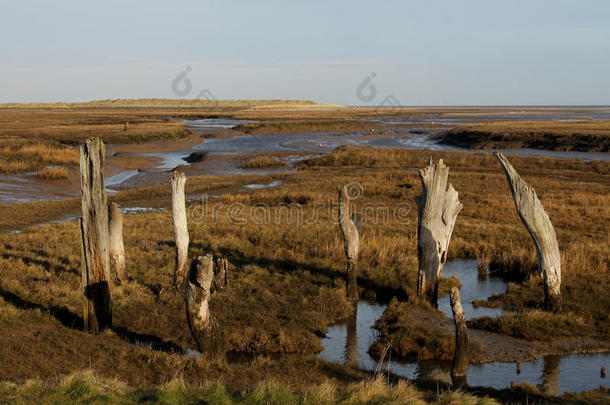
(85, 387)
(408, 342)
(263, 162)
(52, 173)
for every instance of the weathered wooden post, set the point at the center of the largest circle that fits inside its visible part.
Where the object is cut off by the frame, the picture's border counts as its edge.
(97, 306)
(438, 208)
(117, 248)
(208, 336)
(461, 357)
(181, 232)
(539, 226)
(350, 229)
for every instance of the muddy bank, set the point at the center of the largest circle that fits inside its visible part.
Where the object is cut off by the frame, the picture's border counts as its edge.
(556, 136)
(418, 334)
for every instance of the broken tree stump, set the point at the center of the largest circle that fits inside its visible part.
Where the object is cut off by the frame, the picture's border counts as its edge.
(438, 207)
(207, 334)
(461, 357)
(116, 246)
(350, 229)
(539, 226)
(181, 233)
(97, 306)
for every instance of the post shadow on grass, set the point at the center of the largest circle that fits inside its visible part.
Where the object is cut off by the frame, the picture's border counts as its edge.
(284, 266)
(44, 263)
(98, 307)
(73, 321)
(61, 313)
(154, 342)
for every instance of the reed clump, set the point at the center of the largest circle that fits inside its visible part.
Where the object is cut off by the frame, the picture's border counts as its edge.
(52, 173)
(263, 162)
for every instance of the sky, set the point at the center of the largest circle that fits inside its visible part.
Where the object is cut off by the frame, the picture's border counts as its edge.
(435, 52)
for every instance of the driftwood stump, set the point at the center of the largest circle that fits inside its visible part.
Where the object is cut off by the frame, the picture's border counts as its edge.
(539, 226)
(438, 207)
(116, 246)
(181, 233)
(97, 307)
(207, 334)
(461, 357)
(350, 229)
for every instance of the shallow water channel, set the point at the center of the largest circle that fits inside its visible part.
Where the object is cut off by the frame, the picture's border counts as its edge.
(24, 187)
(349, 343)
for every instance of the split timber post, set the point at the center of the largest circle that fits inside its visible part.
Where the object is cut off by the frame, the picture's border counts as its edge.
(539, 226)
(181, 232)
(117, 248)
(461, 357)
(350, 229)
(438, 207)
(97, 305)
(207, 334)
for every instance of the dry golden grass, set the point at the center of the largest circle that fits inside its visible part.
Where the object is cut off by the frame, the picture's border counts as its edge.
(33, 138)
(33, 156)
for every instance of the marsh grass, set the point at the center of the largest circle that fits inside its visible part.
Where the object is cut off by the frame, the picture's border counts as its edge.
(287, 279)
(580, 136)
(86, 387)
(535, 325)
(19, 157)
(305, 126)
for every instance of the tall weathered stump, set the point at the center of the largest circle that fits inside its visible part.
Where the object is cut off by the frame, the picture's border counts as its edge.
(438, 207)
(350, 229)
(181, 234)
(116, 246)
(97, 306)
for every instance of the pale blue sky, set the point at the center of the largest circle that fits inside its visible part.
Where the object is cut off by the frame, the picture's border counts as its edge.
(423, 53)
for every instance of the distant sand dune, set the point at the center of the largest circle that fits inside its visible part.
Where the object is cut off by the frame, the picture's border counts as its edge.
(182, 103)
